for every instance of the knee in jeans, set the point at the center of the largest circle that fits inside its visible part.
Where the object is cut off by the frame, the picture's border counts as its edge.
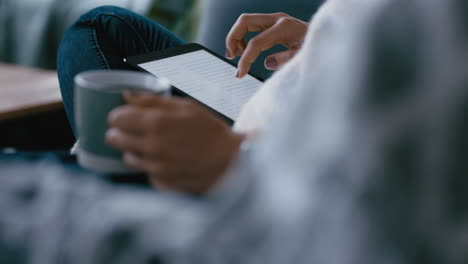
(103, 11)
(105, 20)
(90, 19)
(95, 15)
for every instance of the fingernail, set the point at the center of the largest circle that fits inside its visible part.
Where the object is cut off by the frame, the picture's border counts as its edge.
(111, 135)
(228, 53)
(237, 74)
(130, 158)
(271, 63)
(111, 117)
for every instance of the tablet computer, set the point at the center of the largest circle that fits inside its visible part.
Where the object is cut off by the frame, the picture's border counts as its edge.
(202, 75)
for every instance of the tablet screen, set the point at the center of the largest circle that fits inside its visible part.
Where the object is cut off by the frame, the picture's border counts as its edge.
(206, 78)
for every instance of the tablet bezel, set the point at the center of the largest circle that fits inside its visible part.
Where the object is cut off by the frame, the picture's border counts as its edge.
(134, 62)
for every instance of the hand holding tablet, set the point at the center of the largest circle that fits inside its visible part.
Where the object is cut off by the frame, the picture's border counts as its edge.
(199, 73)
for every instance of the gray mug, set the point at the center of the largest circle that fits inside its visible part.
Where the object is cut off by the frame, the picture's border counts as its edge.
(97, 93)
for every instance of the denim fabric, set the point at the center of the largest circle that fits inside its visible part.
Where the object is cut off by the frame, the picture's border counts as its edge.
(100, 39)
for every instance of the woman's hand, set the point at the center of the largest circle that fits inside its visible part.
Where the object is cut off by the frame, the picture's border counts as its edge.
(278, 28)
(180, 144)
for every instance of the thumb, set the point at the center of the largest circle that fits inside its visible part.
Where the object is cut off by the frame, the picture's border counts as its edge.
(275, 61)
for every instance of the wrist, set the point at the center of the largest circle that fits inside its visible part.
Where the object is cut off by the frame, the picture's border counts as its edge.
(231, 150)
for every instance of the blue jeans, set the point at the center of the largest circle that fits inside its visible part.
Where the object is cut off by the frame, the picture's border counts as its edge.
(100, 39)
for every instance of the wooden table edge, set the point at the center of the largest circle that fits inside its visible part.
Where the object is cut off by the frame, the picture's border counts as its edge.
(30, 111)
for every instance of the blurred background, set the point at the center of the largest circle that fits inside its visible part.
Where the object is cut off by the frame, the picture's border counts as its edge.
(31, 114)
